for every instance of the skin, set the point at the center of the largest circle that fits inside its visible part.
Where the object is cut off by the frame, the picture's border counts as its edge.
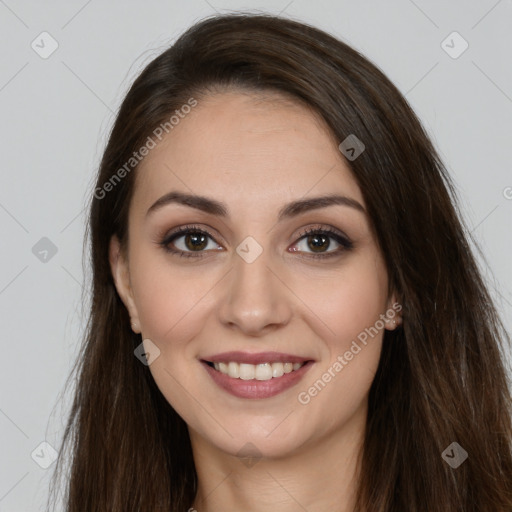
(256, 153)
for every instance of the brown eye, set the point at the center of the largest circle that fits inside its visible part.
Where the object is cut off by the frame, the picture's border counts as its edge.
(189, 241)
(196, 241)
(315, 243)
(318, 242)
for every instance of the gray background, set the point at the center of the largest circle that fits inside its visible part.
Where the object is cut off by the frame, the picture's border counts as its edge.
(57, 111)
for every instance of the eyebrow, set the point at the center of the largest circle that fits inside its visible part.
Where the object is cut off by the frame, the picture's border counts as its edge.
(214, 207)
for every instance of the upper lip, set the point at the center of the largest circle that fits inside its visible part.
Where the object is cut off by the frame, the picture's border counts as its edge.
(256, 358)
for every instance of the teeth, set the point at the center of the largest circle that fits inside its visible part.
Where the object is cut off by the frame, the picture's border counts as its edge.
(263, 371)
(277, 370)
(247, 371)
(233, 370)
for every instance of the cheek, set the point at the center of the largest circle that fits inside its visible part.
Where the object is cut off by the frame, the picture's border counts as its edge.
(348, 302)
(168, 300)
(172, 308)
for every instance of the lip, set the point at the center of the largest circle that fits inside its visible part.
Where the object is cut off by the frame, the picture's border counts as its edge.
(256, 358)
(257, 389)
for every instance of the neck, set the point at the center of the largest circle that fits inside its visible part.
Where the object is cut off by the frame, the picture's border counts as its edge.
(320, 475)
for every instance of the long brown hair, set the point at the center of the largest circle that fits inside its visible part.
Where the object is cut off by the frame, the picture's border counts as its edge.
(442, 376)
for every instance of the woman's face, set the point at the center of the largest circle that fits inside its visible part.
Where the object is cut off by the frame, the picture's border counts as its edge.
(262, 269)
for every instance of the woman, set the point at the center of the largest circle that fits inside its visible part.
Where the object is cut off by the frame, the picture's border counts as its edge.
(286, 311)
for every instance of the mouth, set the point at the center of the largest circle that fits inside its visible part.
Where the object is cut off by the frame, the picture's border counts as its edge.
(256, 375)
(262, 371)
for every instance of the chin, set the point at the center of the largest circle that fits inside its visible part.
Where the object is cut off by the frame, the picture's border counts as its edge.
(274, 440)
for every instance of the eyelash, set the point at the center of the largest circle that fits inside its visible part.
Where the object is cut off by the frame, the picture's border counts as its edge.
(345, 243)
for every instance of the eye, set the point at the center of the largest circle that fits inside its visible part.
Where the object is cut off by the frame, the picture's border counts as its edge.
(318, 241)
(188, 240)
(192, 241)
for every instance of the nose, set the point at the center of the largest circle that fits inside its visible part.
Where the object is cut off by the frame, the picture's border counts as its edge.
(256, 300)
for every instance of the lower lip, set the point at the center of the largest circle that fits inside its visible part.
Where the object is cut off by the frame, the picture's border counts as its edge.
(257, 388)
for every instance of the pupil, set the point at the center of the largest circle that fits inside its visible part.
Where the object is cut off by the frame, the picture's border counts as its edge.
(318, 244)
(195, 241)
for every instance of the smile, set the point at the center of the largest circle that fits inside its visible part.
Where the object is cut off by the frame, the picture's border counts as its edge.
(262, 371)
(260, 375)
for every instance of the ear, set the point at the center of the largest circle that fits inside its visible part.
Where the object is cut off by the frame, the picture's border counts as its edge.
(121, 276)
(393, 312)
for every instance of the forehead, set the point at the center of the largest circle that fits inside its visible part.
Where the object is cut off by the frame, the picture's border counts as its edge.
(248, 149)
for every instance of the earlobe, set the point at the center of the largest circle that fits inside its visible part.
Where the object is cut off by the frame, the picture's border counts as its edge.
(393, 313)
(121, 276)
